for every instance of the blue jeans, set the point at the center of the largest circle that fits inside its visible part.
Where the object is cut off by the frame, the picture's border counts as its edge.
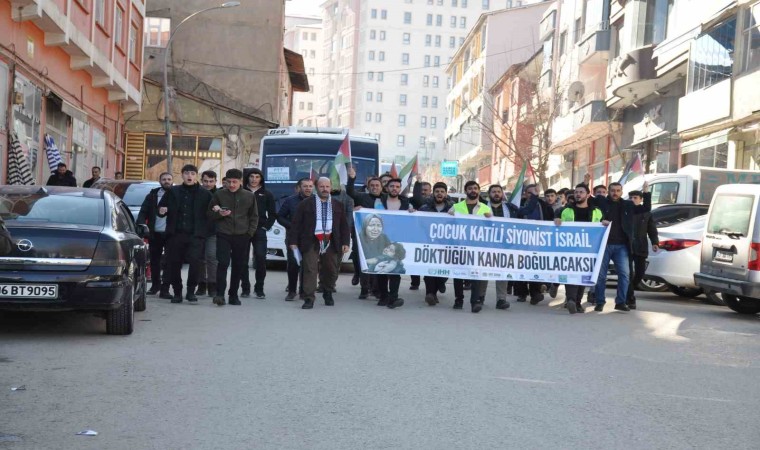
(619, 254)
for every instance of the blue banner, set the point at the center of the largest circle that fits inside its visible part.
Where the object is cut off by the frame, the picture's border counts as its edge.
(479, 248)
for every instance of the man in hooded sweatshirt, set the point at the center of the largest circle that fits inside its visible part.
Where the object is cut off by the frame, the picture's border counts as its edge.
(267, 216)
(62, 177)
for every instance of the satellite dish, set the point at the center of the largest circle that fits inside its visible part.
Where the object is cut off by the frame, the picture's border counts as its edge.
(575, 92)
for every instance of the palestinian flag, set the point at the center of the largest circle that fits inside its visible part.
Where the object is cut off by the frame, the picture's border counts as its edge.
(394, 171)
(634, 168)
(407, 173)
(339, 172)
(313, 173)
(516, 196)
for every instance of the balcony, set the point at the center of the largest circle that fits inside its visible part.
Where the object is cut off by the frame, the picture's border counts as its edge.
(594, 47)
(632, 76)
(548, 25)
(594, 111)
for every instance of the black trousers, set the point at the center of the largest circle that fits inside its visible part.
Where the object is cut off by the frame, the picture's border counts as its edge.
(230, 249)
(433, 284)
(388, 285)
(524, 288)
(638, 270)
(259, 243)
(180, 248)
(415, 280)
(574, 293)
(458, 289)
(157, 243)
(355, 254)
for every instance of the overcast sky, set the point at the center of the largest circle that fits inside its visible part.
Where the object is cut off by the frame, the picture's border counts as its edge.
(308, 7)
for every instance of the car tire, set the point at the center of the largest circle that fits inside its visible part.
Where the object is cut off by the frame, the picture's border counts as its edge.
(714, 298)
(647, 285)
(685, 292)
(121, 321)
(142, 291)
(742, 305)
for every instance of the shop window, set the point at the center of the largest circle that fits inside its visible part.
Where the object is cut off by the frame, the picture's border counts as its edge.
(710, 156)
(712, 56)
(26, 120)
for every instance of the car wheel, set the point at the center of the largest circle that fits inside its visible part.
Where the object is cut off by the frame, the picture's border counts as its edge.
(142, 291)
(121, 321)
(652, 286)
(685, 292)
(742, 305)
(714, 298)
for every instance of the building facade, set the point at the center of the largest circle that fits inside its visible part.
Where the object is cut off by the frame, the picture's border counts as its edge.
(303, 35)
(69, 71)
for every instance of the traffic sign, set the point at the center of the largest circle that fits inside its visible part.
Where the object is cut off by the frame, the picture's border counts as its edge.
(449, 168)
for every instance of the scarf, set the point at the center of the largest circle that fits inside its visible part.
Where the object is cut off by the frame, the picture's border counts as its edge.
(323, 230)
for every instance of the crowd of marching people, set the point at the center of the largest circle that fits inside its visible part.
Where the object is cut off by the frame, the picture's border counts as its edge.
(216, 230)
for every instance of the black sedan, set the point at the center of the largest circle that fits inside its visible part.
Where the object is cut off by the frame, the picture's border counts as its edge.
(74, 249)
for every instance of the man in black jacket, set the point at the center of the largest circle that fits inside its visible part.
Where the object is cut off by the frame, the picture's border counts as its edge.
(95, 177)
(62, 177)
(643, 227)
(542, 211)
(236, 216)
(285, 218)
(267, 216)
(207, 285)
(373, 200)
(421, 194)
(157, 238)
(185, 208)
(441, 203)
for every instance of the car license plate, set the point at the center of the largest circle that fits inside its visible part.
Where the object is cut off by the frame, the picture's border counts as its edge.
(29, 291)
(724, 256)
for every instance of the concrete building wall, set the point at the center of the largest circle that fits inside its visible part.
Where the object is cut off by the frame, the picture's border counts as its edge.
(306, 39)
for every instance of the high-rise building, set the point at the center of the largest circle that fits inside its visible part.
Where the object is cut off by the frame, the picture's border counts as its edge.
(384, 68)
(304, 35)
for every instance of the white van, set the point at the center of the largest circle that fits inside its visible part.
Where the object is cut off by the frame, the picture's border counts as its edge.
(730, 262)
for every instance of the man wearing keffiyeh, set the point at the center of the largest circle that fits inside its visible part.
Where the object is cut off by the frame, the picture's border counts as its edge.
(320, 232)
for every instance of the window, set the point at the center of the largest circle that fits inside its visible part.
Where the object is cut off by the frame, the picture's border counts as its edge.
(301, 105)
(402, 100)
(429, 20)
(434, 102)
(383, 14)
(464, 3)
(310, 106)
(731, 212)
(372, 35)
(578, 30)
(304, 35)
(425, 80)
(371, 55)
(428, 40)
(452, 42)
(369, 96)
(402, 120)
(463, 22)
(422, 141)
(562, 42)
(453, 21)
(454, 3)
(656, 26)
(461, 41)
(377, 136)
(133, 43)
(407, 39)
(712, 56)
(751, 38)
(438, 40)
(382, 35)
(370, 76)
(439, 20)
(486, 4)
(118, 27)
(436, 61)
(433, 122)
(157, 30)
(100, 12)
(381, 56)
(380, 76)
(312, 54)
(379, 96)
(407, 18)
(368, 117)
(423, 121)
(435, 81)
(404, 79)
(424, 101)
(427, 60)
(400, 140)
(373, 13)
(313, 36)
(378, 117)
(405, 59)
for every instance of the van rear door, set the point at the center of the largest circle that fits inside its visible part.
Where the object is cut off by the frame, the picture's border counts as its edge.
(726, 249)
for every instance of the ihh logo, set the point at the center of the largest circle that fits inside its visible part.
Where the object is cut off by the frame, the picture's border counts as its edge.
(439, 272)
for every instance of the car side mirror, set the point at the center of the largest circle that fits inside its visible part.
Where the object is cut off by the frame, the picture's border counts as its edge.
(142, 230)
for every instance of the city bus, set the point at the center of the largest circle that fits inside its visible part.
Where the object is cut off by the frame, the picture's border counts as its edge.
(291, 153)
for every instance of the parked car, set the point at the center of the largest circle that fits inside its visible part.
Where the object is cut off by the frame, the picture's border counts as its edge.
(730, 260)
(132, 192)
(74, 249)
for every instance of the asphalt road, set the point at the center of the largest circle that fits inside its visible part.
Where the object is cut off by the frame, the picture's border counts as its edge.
(267, 375)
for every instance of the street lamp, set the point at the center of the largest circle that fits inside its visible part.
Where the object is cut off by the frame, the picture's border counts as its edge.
(167, 123)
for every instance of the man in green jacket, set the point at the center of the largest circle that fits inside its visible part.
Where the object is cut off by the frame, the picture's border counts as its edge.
(581, 211)
(471, 205)
(236, 216)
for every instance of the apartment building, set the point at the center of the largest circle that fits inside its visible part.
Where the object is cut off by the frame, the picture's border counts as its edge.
(497, 41)
(385, 69)
(69, 71)
(303, 35)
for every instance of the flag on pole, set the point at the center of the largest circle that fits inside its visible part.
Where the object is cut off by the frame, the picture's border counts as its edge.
(339, 172)
(516, 196)
(18, 166)
(633, 168)
(394, 171)
(53, 154)
(407, 173)
(313, 173)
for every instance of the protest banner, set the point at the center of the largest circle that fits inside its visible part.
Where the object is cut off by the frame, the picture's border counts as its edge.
(478, 248)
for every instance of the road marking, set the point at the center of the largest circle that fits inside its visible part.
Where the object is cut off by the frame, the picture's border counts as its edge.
(689, 397)
(525, 380)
